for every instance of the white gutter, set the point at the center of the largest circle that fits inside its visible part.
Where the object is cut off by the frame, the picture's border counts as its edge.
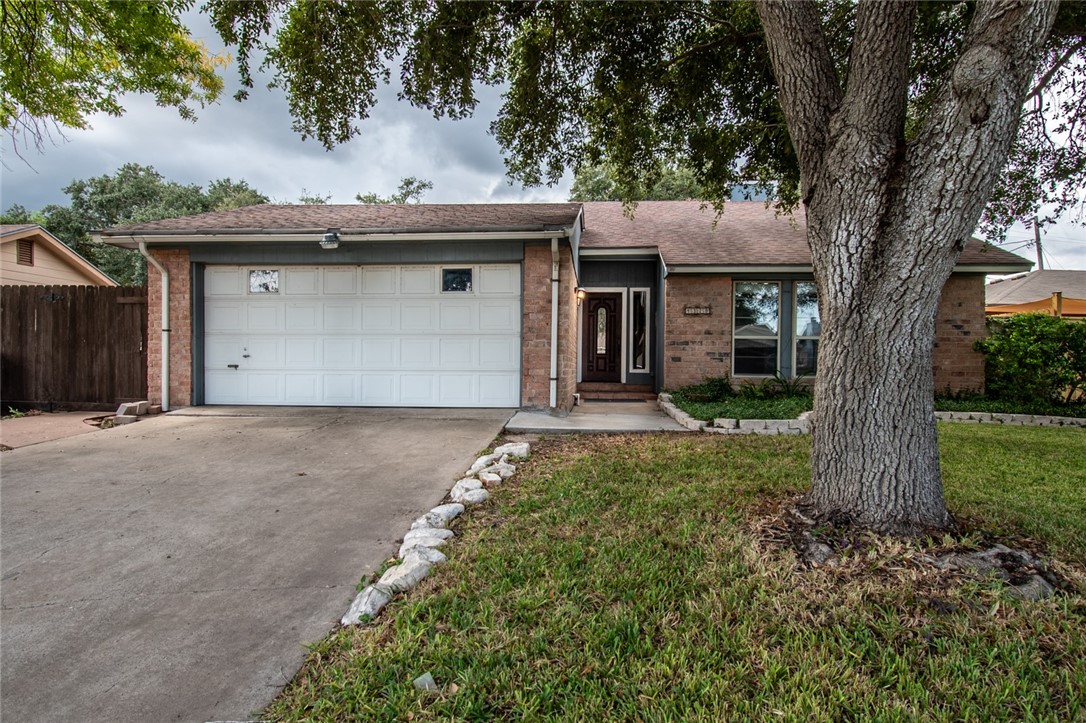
(554, 322)
(165, 324)
(131, 240)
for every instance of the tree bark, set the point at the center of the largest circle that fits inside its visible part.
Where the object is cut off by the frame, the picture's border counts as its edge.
(887, 219)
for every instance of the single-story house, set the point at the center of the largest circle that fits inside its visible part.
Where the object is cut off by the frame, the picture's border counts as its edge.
(31, 256)
(1060, 293)
(511, 305)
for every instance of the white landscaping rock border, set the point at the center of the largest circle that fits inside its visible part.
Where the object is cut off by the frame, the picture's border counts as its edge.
(802, 425)
(419, 553)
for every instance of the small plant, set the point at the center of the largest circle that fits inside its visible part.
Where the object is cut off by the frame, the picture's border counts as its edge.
(776, 387)
(14, 413)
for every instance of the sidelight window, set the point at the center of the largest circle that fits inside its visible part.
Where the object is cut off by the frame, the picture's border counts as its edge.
(639, 330)
(808, 327)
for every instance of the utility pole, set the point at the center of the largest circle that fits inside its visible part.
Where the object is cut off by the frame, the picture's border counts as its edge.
(1037, 243)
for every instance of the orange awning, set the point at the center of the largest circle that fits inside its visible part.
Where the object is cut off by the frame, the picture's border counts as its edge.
(1069, 307)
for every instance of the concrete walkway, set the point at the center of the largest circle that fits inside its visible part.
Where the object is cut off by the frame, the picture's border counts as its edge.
(597, 418)
(173, 569)
(36, 428)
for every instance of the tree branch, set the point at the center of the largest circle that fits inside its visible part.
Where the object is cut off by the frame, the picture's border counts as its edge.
(810, 91)
(1060, 62)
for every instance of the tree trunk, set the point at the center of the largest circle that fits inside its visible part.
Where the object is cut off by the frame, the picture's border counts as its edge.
(875, 456)
(887, 218)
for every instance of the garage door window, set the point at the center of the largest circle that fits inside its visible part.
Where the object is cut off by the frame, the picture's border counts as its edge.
(456, 281)
(264, 281)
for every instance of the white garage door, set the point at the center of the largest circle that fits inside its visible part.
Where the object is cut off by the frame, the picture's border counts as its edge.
(397, 336)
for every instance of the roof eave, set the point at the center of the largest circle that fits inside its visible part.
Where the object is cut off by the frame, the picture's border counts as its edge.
(245, 236)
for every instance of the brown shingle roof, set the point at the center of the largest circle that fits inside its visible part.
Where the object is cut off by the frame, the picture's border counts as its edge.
(268, 218)
(747, 234)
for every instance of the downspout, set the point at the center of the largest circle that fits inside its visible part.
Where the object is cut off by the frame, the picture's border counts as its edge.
(165, 324)
(554, 323)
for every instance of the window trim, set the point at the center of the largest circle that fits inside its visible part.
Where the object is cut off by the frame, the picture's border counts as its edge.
(460, 267)
(249, 282)
(779, 284)
(648, 329)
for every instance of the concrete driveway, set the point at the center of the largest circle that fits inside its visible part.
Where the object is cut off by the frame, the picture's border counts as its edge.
(173, 569)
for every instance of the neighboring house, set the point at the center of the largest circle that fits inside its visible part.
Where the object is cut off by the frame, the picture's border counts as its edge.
(31, 256)
(515, 305)
(1060, 293)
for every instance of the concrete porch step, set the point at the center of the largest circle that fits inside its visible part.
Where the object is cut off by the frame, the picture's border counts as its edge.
(615, 392)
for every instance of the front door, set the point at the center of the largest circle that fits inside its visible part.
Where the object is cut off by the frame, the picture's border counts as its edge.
(602, 338)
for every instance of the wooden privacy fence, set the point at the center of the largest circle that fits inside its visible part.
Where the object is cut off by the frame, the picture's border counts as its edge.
(72, 346)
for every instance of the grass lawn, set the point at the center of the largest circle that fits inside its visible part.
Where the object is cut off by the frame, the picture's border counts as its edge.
(624, 578)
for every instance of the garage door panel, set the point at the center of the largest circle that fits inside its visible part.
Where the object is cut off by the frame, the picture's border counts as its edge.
(301, 281)
(264, 387)
(224, 316)
(224, 282)
(380, 353)
(418, 389)
(219, 352)
(457, 353)
(499, 315)
(418, 353)
(418, 316)
(499, 353)
(302, 352)
(342, 353)
(226, 386)
(379, 316)
(303, 316)
(379, 280)
(340, 389)
(341, 281)
(495, 390)
(418, 280)
(263, 353)
(264, 317)
(376, 336)
(456, 390)
(499, 279)
(340, 317)
(302, 389)
(379, 389)
(457, 316)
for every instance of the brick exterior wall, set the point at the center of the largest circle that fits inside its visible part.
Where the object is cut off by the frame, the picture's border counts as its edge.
(536, 329)
(959, 322)
(177, 264)
(697, 347)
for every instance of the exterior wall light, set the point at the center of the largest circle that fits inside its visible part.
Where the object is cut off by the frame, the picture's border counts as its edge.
(330, 240)
(581, 293)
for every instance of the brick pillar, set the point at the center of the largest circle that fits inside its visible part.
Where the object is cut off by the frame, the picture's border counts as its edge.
(536, 328)
(176, 262)
(959, 323)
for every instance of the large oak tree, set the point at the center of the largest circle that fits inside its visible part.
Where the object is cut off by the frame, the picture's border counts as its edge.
(887, 122)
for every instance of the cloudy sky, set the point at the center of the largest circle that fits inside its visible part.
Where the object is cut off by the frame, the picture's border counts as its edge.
(254, 141)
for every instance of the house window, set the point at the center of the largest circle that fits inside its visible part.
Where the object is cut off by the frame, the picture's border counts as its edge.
(264, 281)
(25, 252)
(456, 280)
(808, 328)
(639, 330)
(756, 328)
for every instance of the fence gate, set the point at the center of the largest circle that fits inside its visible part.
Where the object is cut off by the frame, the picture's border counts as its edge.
(72, 346)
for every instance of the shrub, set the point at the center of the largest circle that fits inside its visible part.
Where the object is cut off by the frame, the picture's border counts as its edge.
(1034, 357)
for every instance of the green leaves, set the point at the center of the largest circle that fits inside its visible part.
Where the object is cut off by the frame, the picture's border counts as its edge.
(65, 61)
(1035, 357)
